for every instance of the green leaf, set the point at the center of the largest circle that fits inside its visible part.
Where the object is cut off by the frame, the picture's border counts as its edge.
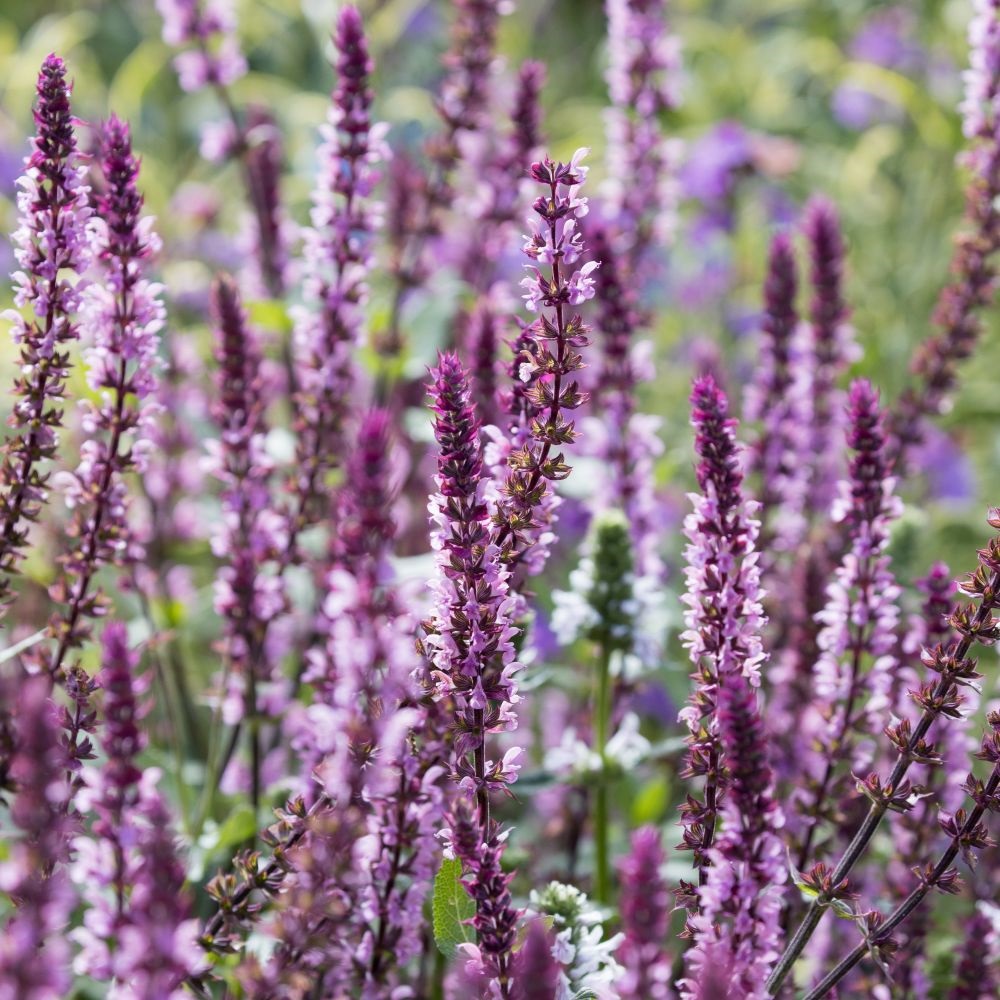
(650, 803)
(452, 909)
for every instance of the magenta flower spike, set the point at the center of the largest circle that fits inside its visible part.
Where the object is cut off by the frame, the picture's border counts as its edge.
(121, 319)
(738, 926)
(724, 616)
(52, 251)
(780, 398)
(644, 904)
(34, 953)
(329, 328)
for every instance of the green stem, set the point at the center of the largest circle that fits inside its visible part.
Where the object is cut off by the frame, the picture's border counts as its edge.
(602, 719)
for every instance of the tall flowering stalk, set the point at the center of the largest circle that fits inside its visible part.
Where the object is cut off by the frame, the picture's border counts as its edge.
(723, 617)
(943, 698)
(34, 955)
(644, 905)
(832, 346)
(855, 671)
(779, 397)
(972, 288)
(253, 535)
(738, 926)
(337, 259)
(121, 319)
(643, 74)
(52, 249)
(138, 931)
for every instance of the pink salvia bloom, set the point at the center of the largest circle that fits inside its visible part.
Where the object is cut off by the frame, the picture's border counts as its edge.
(741, 900)
(51, 249)
(337, 254)
(724, 616)
(206, 31)
(34, 954)
(644, 904)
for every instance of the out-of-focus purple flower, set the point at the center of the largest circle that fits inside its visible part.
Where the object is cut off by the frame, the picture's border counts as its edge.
(951, 476)
(886, 39)
(263, 170)
(252, 535)
(973, 287)
(741, 901)
(779, 397)
(328, 330)
(724, 616)
(206, 30)
(52, 250)
(137, 930)
(832, 346)
(34, 953)
(976, 972)
(712, 162)
(857, 642)
(643, 75)
(644, 904)
(857, 108)
(536, 972)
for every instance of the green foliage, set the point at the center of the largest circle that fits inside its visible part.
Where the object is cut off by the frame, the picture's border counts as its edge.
(452, 909)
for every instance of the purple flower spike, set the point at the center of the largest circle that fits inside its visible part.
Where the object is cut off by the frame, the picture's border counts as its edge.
(128, 869)
(780, 398)
(724, 616)
(337, 259)
(121, 319)
(249, 593)
(536, 972)
(857, 641)
(645, 911)
(643, 73)
(974, 284)
(52, 249)
(833, 346)
(741, 901)
(207, 28)
(34, 955)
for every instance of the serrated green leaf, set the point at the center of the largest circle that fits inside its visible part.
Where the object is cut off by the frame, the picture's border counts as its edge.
(452, 909)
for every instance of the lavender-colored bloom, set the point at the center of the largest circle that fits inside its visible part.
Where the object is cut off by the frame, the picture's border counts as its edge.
(121, 319)
(832, 346)
(742, 893)
(33, 953)
(52, 249)
(263, 172)
(137, 931)
(470, 633)
(724, 617)
(536, 972)
(495, 921)
(253, 534)
(976, 972)
(713, 162)
(779, 397)
(337, 259)
(857, 643)
(643, 73)
(644, 905)
(206, 29)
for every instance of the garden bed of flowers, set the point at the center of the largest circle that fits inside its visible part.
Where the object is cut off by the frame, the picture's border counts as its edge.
(373, 623)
